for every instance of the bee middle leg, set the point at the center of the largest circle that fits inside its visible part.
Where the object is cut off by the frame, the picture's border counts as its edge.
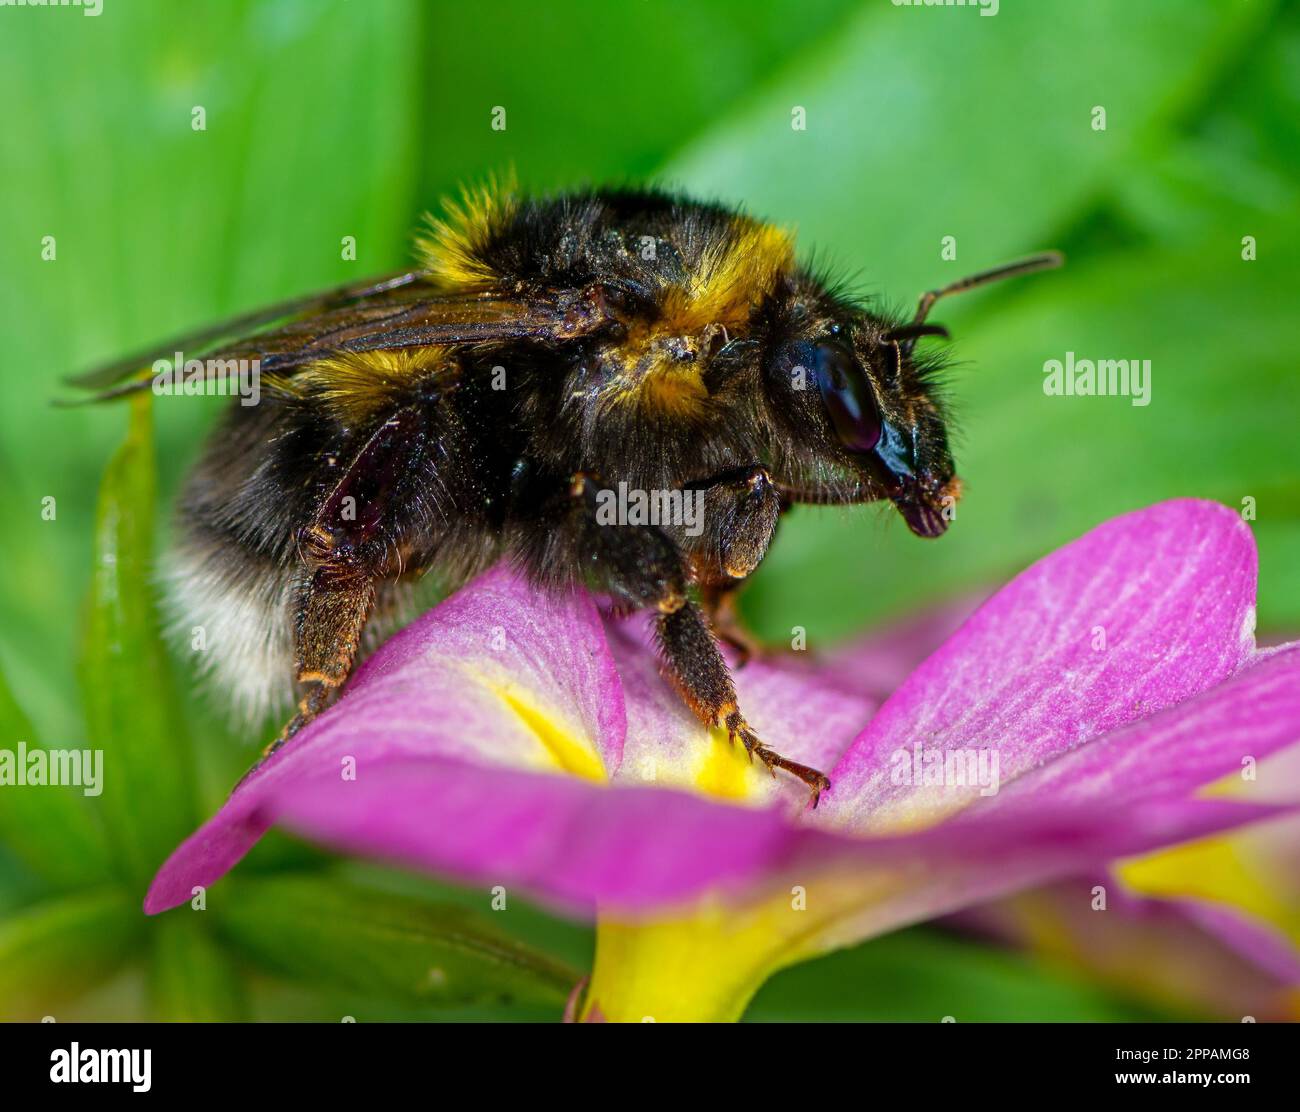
(698, 670)
(718, 601)
(644, 566)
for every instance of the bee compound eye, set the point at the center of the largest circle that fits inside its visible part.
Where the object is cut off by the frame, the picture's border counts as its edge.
(847, 395)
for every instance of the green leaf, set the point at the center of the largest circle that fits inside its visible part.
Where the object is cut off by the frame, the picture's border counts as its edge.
(1235, 162)
(191, 978)
(55, 951)
(47, 827)
(331, 932)
(310, 136)
(921, 976)
(922, 125)
(624, 86)
(148, 796)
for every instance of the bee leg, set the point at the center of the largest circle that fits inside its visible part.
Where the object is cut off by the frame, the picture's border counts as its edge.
(344, 550)
(817, 782)
(641, 565)
(638, 564)
(696, 667)
(741, 509)
(334, 609)
(718, 600)
(334, 612)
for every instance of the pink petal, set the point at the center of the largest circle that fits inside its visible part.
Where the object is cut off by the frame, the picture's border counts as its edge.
(632, 850)
(574, 843)
(1260, 943)
(1169, 755)
(458, 685)
(566, 841)
(878, 663)
(1170, 589)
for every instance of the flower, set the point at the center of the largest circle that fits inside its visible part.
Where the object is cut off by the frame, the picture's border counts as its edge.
(1192, 957)
(1211, 926)
(517, 740)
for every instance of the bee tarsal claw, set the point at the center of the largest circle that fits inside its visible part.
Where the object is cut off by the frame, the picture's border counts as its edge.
(737, 727)
(817, 782)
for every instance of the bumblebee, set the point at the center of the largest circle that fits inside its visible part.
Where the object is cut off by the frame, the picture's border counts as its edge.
(542, 353)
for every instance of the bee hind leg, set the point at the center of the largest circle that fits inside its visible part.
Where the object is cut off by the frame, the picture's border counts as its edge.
(345, 554)
(334, 609)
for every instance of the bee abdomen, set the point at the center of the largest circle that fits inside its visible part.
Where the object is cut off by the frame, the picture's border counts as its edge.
(234, 613)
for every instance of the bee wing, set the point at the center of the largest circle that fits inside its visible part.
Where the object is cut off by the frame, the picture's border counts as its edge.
(398, 311)
(246, 324)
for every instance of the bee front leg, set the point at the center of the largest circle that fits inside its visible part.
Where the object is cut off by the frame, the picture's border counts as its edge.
(741, 510)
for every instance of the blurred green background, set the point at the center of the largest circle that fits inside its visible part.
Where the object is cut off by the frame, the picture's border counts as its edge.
(333, 119)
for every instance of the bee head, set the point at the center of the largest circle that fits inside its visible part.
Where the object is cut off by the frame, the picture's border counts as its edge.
(857, 402)
(857, 406)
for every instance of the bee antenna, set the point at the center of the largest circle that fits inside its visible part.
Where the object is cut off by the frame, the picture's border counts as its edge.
(1048, 260)
(913, 332)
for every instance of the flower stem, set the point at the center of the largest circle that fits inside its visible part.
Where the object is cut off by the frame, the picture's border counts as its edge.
(704, 966)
